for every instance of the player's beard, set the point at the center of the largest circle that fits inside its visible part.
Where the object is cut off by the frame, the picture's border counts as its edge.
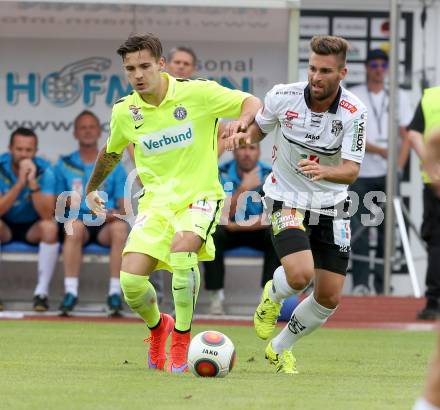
(327, 91)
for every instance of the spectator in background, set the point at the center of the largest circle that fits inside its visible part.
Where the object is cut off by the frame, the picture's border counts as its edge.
(372, 176)
(181, 62)
(72, 173)
(27, 205)
(426, 119)
(244, 226)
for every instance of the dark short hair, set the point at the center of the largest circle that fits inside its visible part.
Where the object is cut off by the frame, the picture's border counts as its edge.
(82, 114)
(330, 45)
(377, 54)
(138, 42)
(185, 49)
(24, 132)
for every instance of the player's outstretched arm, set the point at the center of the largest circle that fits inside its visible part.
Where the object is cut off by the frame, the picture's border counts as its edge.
(251, 136)
(105, 163)
(249, 109)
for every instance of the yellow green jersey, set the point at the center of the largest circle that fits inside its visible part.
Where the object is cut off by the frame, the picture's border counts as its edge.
(175, 142)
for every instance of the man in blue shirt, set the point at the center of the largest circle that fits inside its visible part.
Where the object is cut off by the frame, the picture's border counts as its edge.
(241, 225)
(27, 205)
(72, 173)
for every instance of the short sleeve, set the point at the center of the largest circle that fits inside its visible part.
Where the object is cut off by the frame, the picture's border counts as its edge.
(222, 101)
(48, 181)
(267, 118)
(354, 139)
(405, 110)
(117, 140)
(418, 121)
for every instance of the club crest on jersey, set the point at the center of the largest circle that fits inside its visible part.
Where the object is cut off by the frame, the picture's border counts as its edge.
(136, 113)
(336, 127)
(180, 113)
(348, 106)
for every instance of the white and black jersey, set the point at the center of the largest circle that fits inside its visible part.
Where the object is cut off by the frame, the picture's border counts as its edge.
(326, 137)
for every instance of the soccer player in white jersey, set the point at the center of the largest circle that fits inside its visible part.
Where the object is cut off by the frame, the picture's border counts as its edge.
(319, 132)
(173, 126)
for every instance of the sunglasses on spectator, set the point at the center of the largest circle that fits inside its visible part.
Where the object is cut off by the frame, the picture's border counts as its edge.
(375, 65)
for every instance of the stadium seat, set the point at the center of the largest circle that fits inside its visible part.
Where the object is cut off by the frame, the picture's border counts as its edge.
(244, 251)
(17, 251)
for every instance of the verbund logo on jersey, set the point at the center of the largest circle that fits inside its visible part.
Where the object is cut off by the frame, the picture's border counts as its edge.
(168, 139)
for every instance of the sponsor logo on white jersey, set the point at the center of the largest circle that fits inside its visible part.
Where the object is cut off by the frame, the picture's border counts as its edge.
(358, 136)
(168, 139)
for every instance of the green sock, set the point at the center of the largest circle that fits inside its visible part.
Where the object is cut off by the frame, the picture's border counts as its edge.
(140, 295)
(185, 284)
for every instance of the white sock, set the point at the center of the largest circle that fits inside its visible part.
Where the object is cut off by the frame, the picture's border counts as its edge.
(47, 259)
(423, 404)
(307, 316)
(280, 289)
(71, 285)
(115, 287)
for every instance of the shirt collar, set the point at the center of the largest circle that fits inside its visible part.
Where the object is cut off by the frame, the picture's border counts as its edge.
(333, 106)
(169, 96)
(233, 171)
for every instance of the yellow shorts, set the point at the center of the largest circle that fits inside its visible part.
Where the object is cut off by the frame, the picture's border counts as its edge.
(154, 230)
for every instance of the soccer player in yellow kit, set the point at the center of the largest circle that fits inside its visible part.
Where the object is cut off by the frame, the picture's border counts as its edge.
(173, 126)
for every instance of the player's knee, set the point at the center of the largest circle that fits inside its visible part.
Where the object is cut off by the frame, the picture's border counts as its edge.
(185, 241)
(299, 277)
(133, 288)
(183, 261)
(330, 301)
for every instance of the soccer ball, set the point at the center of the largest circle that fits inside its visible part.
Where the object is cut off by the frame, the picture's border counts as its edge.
(211, 354)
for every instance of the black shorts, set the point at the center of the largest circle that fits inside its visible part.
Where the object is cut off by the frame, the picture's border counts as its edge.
(92, 230)
(20, 230)
(325, 234)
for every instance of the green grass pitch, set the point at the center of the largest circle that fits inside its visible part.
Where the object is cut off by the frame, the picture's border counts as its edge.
(60, 365)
